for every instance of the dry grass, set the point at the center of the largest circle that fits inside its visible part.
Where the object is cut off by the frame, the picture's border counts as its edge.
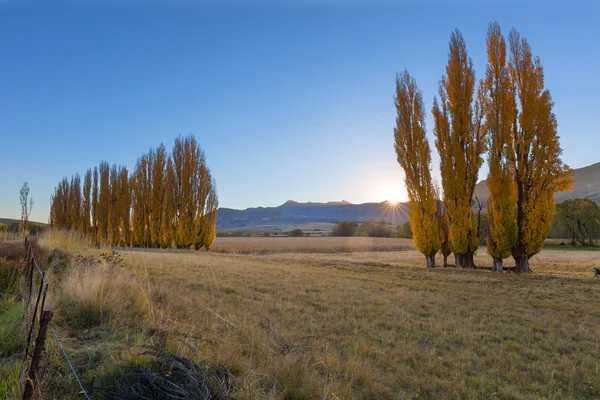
(269, 245)
(88, 295)
(379, 325)
(366, 325)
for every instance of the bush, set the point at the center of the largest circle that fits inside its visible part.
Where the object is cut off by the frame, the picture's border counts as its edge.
(344, 228)
(296, 233)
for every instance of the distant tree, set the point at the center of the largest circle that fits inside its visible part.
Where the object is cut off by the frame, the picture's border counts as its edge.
(265, 234)
(104, 198)
(169, 218)
(460, 140)
(159, 159)
(407, 230)
(296, 233)
(26, 206)
(582, 219)
(124, 206)
(209, 219)
(87, 202)
(414, 156)
(114, 209)
(94, 232)
(344, 228)
(500, 110)
(534, 154)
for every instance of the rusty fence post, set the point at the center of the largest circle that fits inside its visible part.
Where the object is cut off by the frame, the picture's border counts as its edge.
(37, 356)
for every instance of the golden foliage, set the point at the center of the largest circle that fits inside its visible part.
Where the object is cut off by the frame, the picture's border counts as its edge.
(460, 142)
(166, 200)
(414, 156)
(500, 110)
(535, 157)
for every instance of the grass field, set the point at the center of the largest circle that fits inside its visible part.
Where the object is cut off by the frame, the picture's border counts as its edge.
(338, 325)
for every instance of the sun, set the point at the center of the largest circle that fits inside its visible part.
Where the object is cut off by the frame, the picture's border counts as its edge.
(394, 194)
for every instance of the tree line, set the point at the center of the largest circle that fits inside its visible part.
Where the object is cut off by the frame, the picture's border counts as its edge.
(509, 116)
(371, 229)
(168, 200)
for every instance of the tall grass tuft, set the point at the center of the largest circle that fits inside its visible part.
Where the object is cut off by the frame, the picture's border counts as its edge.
(90, 295)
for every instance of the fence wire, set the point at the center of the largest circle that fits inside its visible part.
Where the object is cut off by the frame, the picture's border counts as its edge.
(32, 315)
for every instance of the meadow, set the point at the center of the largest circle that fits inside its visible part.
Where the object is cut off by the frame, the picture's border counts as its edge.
(332, 318)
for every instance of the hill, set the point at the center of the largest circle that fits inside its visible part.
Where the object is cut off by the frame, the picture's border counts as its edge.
(293, 213)
(587, 184)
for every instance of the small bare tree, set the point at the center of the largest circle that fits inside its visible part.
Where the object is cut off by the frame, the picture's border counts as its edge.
(26, 206)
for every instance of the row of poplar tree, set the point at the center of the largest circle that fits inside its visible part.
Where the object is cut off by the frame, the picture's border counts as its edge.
(168, 200)
(509, 117)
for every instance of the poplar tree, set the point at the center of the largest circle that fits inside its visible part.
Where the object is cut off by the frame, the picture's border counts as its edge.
(157, 195)
(113, 231)
(209, 229)
(104, 198)
(94, 232)
(535, 153)
(169, 218)
(124, 207)
(500, 112)
(86, 206)
(460, 140)
(414, 156)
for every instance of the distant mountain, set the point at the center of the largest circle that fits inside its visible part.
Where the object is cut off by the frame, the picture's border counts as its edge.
(587, 184)
(10, 221)
(294, 213)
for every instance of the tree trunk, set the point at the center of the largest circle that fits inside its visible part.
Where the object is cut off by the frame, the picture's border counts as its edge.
(464, 260)
(497, 264)
(522, 264)
(445, 260)
(430, 260)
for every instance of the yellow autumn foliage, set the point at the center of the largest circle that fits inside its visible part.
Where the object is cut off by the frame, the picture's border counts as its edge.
(414, 156)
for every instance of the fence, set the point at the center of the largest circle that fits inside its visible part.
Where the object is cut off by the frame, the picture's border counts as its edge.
(38, 324)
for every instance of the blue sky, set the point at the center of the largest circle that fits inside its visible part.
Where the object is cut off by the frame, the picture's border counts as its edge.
(290, 99)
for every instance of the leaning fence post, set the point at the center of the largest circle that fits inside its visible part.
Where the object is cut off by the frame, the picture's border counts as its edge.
(37, 356)
(37, 303)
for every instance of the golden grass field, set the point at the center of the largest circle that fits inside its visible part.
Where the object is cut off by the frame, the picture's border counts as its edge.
(347, 325)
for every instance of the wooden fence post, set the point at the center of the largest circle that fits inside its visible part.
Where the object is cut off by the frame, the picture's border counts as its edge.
(36, 358)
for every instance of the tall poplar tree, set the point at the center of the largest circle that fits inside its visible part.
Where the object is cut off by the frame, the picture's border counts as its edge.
(535, 153)
(460, 143)
(414, 156)
(94, 232)
(104, 198)
(113, 231)
(157, 195)
(86, 206)
(500, 112)
(169, 218)
(124, 207)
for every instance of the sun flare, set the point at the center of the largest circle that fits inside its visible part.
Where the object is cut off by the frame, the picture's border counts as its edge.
(394, 194)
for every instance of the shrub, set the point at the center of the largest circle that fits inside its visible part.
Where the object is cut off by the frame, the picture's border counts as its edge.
(296, 233)
(344, 228)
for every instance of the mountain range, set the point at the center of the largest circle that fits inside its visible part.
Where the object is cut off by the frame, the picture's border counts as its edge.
(291, 213)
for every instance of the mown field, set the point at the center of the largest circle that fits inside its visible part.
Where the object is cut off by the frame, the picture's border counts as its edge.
(333, 320)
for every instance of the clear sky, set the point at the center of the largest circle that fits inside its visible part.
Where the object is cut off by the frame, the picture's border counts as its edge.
(289, 99)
